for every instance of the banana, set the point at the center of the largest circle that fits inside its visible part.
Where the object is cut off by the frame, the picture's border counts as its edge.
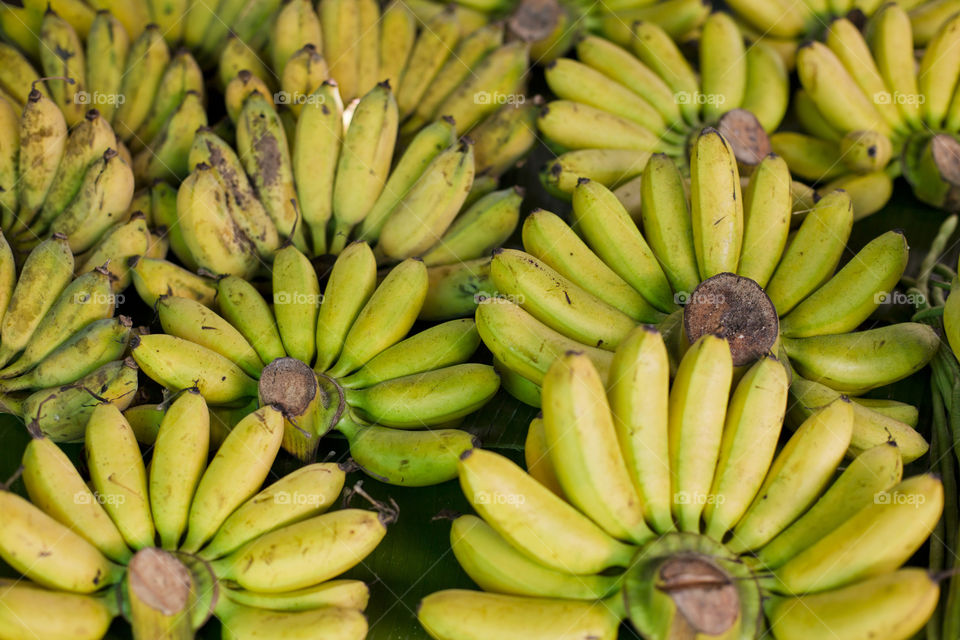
(797, 477)
(246, 310)
(812, 255)
(550, 240)
(263, 149)
(870, 473)
(85, 351)
(316, 149)
(61, 55)
(536, 455)
(102, 200)
(406, 458)
(153, 277)
(236, 472)
(180, 364)
(446, 614)
(716, 205)
(876, 540)
(43, 137)
(8, 276)
(901, 411)
(305, 493)
(571, 125)
(434, 45)
(430, 206)
(666, 222)
(167, 156)
(524, 344)
(239, 88)
(349, 594)
(87, 299)
(335, 623)
(428, 398)
(106, 55)
(810, 118)
(134, 16)
(48, 552)
(497, 567)
(557, 302)
(350, 285)
(859, 361)
(609, 167)
(56, 487)
(168, 15)
(61, 413)
(723, 65)
(179, 457)
(848, 44)
(364, 163)
(585, 450)
(305, 553)
(810, 158)
(439, 346)
(249, 26)
(888, 33)
(938, 74)
(767, 210)
(368, 45)
(303, 75)
(835, 92)
(163, 211)
(429, 142)
(117, 472)
(190, 320)
(237, 56)
(853, 293)
(608, 229)
(9, 152)
(894, 605)
(657, 50)
(87, 143)
(535, 521)
(181, 77)
(45, 273)
(928, 17)
(146, 61)
(697, 409)
(753, 422)
(866, 151)
(340, 22)
(398, 33)
(18, 78)
(453, 290)
(295, 25)
(767, 91)
(26, 613)
(296, 299)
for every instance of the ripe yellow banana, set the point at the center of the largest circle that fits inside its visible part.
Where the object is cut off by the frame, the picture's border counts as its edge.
(340, 24)
(27, 608)
(108, 44)
(116, 247)
(43, 137)
(246, 310)
(723, 65)
(433, 47)
(351, 283)
(316, 149)
(296, 299)
(153, 277)
(572, 125)
(190, 320)
(767, 92)
(659, 52)
(167, 155)
(349, 594)
(295, 25)
(453, 290)
(767, 211)
(398, 32)
(609, 167)
(891, 41)
(716, 205)
(148, 57)
(182, 76)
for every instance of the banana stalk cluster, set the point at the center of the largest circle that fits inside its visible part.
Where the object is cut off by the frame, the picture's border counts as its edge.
(616, 106)
(365, 370)
(673, 507)
(871, 113)
(720, 260)
(170, 544)
(61, 346)
(785, 25)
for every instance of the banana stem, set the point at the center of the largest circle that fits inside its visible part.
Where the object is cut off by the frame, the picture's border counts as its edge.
(936, 249)
(159, 591)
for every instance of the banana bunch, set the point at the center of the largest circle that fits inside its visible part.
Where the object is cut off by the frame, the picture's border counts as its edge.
(616, 106)
(337, 358)
(871, 113)
(785, 25)
(714, 257)
(167, 544)
(61, 346)
(675, 508)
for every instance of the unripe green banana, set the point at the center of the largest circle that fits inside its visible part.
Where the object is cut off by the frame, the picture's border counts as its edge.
(107, 46)
(853, 293)
(153, 277)
(305, 493)
(296, 299)
(148, 58)
(428, 398)
(810, 158)
(236, 472)
(859, 361)
(180, 364)
(43, 137)
(246, 310)
(406, 458)
(316, 148)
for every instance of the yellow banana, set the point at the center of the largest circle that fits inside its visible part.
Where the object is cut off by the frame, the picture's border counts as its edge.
(43, 137)
(26, 613)
(316, 149)
(398, 32)
(350, 594)
(153, 277)
(453, 290)
(108, 44)
(571, 125)
(716, 205)
(659, 52)
(304, 73)
(295, 25)
(340, 23)
(433, 47)
(334, 622)
(767, 211)
(181, 77)
(767, 92)
(891, 41)
(146, 61)
(246, 310)
(61, 55)
(351, 283)
(723, 65)
(296, 299)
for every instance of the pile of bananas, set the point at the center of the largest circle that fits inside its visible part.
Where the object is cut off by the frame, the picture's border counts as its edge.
(207, 541)
(616, 107)
(61, 346)
(784, 25)
(719, 261)
(871, 113)
(383, 391)
(672, 507)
